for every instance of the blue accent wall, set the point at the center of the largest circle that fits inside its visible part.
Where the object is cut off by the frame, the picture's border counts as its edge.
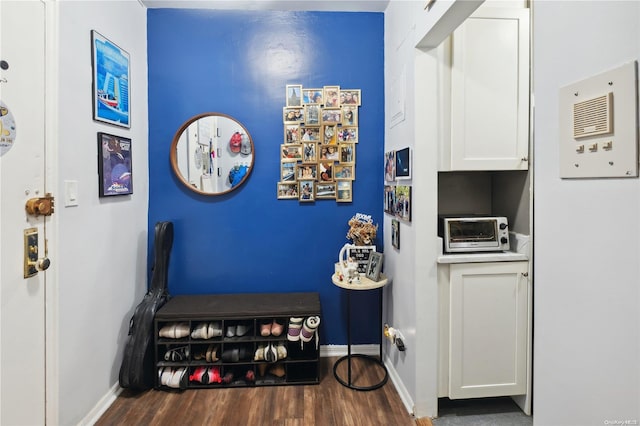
(248, 241)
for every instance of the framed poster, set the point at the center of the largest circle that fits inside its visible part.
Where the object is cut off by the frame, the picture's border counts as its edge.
(110, 88)
(403, 164)
(114, 165)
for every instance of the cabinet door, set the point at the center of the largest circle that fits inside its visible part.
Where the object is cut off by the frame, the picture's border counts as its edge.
(488, 329)
(490, 91)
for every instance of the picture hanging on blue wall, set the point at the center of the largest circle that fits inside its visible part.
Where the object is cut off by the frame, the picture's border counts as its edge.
(110, 81)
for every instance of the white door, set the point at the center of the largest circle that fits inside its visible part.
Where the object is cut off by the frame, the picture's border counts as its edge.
(22, 176)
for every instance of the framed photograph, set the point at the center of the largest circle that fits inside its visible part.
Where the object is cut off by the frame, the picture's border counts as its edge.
(307, 171)
(329, 134)
(350, 97)
(309, 152)
(111, 79)
(331, 116)
(349, 115)
(389, 199)
(344, 194)
(114, 165)
(326, 190)
(347, 153)
(390, 166)
(395, 233)
(361, 255)
(294, 95)
(310, 134)
(343, 172)
(291, 133)
(325, 172)
(374, 266)
(288, 171)
(287, 190)
(329, 152)
(348, 134)
(292, 115)
(403, 203)
(291, 152)
(312, 115)
(403, 164)
(306, 189)
(331, 96)
(312, 96)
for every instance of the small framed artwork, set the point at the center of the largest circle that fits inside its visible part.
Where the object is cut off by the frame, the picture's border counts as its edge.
(361, 255)
(331, 116)
(325, 172)
(390, 166)
(329, 152)
(312, 115)
(344, 191)
(403, 202)
(288, 171)
(309, 152)
(307, 171)
(343, 172)
(292, 115)
(395, 233)
(114, 165)
(331, 96)
(347, 153)
(111, 72)
(403, 164)
(329, 134)
(374, 266)
(349, 116)
(287, 190)
(291, 152)
(294, 95)
(291, 133)
(310, 133)
(389, 199)
(350, 97)
(306, 189)
(348, 134)
(312, 96)
(326, 190)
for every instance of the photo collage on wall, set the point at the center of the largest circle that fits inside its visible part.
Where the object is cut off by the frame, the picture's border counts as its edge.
(318, 153)
(397, 198)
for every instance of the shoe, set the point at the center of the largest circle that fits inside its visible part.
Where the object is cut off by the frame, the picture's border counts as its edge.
(212, 353)
(262, 369)
(259, 355)
(165, 375)
(168, 331)
(265, 328)
(270, 353)
(277, 327)
(281, 351)
(277, 370)
(201, 354)
(214, 329)
(295, 324)
(228, 378)
(214, 375)
(250, 376)
(177, 354)
(231, 331)
(231, 355)
(178, 379)
(309, 328)
(242, 329)
(181, 330)
(200, 331)
(201, 375)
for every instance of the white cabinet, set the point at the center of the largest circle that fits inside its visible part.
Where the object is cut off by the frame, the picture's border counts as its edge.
(490, 92)
(485, 336)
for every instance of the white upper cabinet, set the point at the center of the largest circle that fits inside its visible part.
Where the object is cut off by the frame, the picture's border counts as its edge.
(490, 92)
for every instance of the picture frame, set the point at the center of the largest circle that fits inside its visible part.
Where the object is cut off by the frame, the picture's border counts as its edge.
(361, 255)
(292, 133)
(309, 152)
(312, 96)
(390, 166)
(306, 171)
(344, 191)
(395, 233)
(389, 199)
(403, 164)
(350, 97)
(325, 172)
(348, 134)
(291, 152)
(292, 115)
(331, 116)
(331, 96)
(402, 202)
(294, 95)
(329, 134)
(111, 81)
(312, 115)
(326, 190)
(287, 190)
(374, 266)
(287, 171)
(115, 175)
(347, 153)
(343, 172)
(306, 190)
(350, 115)
(309, 133)
(329, 153)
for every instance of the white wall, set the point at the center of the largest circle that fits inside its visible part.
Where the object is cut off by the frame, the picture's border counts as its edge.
(587, 252)
(102, 247)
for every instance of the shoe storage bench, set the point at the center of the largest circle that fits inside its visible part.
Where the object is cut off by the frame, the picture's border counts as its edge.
(224, 340)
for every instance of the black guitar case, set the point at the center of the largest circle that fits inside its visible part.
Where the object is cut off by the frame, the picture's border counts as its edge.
(137, 370)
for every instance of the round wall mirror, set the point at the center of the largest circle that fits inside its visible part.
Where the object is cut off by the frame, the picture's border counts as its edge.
(212, 153)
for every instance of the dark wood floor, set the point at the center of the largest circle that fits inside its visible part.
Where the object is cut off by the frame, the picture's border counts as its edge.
(328, 403)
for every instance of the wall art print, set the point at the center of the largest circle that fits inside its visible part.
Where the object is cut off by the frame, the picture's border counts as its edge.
(114, 165)
(320, 139)
(111, 88)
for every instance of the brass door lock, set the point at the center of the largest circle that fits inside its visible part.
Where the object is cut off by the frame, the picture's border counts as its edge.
(40, 206)
(31, 262)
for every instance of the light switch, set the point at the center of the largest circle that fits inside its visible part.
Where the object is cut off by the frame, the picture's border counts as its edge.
(70, 193)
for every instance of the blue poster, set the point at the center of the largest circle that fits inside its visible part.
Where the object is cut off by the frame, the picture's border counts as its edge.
(110, 82)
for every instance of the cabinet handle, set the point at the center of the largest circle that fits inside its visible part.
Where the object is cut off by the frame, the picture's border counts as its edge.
(525, 274)
(524, 159)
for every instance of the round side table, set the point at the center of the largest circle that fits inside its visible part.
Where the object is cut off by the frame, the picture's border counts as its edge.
(365, 284)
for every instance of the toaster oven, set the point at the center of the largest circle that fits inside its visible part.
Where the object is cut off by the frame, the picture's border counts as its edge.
(474, 233)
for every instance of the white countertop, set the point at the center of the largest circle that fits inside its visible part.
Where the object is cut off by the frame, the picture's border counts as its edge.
(519, 243)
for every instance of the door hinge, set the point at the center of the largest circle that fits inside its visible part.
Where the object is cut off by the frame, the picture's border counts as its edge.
(41, 205)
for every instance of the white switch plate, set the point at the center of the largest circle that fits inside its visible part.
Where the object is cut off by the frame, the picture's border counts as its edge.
(70, 193)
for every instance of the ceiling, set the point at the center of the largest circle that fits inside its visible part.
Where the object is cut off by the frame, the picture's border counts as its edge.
(302, 5)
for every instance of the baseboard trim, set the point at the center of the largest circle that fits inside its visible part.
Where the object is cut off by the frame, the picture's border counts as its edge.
(403, 392)
(341, 350)
(99, 409)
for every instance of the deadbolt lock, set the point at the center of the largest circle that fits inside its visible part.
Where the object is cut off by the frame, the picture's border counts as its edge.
(31, 262)
(40, 206)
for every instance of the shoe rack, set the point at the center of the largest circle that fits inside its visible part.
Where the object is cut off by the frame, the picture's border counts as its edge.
(224, 340)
